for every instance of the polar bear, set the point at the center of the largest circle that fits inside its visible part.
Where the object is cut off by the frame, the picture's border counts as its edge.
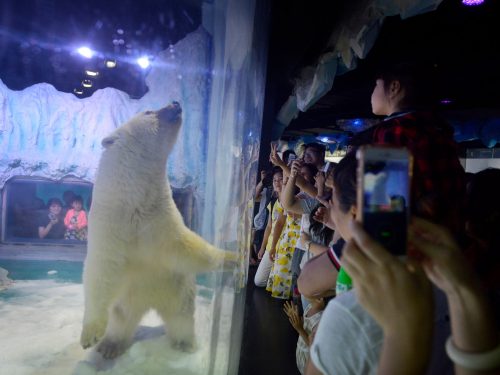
(140, 253)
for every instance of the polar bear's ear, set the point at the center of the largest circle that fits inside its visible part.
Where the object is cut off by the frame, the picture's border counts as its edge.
(108, 141)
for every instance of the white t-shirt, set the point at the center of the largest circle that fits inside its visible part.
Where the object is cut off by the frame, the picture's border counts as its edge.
(302, 351)
(348, 341)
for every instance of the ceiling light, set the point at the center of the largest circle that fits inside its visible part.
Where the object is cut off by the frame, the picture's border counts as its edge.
(86, 52)
(87, 83)
(78, 91)
(446, 101)
(143, 62)
(110, 63)
(328, 140)
(472, 2)
(92, 73)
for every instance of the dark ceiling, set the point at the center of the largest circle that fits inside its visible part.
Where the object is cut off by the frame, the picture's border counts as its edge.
(460, 41)
(39, 39)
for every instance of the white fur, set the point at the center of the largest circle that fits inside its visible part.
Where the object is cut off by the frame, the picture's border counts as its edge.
(140, 253)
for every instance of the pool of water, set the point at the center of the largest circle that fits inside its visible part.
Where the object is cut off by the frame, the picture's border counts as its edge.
(59, 270)
(70, 272)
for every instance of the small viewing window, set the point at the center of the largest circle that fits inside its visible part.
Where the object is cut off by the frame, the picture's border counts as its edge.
(40, 210)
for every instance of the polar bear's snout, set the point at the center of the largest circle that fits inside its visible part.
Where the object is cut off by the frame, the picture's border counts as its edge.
(171, 112)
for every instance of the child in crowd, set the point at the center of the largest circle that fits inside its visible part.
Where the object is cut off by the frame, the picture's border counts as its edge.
(305, 326)
(76, 221)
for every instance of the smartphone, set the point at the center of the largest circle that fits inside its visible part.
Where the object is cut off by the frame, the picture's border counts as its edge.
(384, 181)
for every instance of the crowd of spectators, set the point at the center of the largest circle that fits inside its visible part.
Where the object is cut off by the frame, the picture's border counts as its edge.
(357, 308)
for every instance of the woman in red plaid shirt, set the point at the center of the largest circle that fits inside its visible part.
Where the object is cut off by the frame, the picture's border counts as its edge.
(403, 92)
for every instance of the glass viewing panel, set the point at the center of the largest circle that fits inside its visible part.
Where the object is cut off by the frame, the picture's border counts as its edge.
(70, 76)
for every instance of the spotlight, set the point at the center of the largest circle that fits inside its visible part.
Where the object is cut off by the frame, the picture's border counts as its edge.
(446, 101)
(86, 52)
(78, 91)
(110, 63)
(92, 73)
(87, 83)
(472, 2)
(326, 139)
(143, 62)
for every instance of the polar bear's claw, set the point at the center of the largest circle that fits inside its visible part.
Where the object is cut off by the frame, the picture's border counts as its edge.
(111, 349)
(91, 334)
(184, 346)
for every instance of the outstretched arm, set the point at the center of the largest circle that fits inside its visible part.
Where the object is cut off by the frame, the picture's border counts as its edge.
(288, 199)
(278, 228)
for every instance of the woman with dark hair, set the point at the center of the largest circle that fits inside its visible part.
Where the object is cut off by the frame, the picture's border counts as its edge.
(320, 273)
(402, 93)
(51, 225)
(348, 339)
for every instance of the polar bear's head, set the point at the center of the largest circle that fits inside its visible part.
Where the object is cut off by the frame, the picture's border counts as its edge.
(145, 141)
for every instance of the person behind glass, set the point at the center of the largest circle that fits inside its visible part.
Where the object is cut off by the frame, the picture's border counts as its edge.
(51, 224)
(76, 221)
(68, 197)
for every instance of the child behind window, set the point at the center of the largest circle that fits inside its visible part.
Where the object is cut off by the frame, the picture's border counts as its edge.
(76, 221)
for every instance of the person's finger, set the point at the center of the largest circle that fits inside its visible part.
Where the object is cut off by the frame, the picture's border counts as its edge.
(371, 248)
(426, 229)
(428, 248)
(322, 201)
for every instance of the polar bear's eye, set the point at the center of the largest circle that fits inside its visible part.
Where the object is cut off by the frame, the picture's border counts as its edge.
(106, 142)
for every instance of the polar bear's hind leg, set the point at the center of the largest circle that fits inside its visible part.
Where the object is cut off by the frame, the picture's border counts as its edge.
(124, 317)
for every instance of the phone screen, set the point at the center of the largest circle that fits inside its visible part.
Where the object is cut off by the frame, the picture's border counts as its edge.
(386, 201)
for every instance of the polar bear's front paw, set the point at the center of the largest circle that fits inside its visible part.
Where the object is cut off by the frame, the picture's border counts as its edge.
(91, 334)
(187, 346)
(110, 349)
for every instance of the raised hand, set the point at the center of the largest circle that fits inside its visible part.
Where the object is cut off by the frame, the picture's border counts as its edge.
(400, 300)
(444, 263)
(263, 175)
(274, 157)
(295, 167)
(320, 178)
(295, 319)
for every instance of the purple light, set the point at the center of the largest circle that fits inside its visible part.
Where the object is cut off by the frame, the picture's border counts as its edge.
(472, 2)
(446, 101)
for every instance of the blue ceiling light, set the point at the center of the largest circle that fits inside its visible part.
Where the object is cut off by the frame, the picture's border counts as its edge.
(85, 52)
